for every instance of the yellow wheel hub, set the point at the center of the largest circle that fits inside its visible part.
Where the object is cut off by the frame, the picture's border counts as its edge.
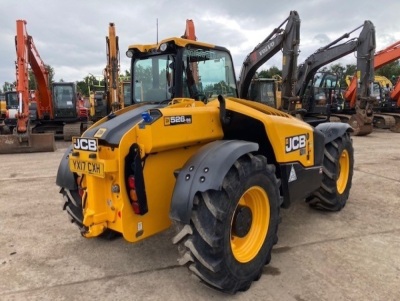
(344, 169)
(249, 225)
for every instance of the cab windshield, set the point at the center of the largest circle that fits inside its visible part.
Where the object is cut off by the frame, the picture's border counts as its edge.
(64, 96)
(12, 100)
(199, 74)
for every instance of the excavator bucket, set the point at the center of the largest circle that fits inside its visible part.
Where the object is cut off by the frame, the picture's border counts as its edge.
(359, 126)
(44, 142)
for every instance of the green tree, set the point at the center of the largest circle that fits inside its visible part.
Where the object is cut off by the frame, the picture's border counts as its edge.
(391, 70)
(9, 86)
(270, 72)
(82, 87)
(32, 79)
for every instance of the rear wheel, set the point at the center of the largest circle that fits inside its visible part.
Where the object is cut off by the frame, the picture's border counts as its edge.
(337, 175)
(232, 231)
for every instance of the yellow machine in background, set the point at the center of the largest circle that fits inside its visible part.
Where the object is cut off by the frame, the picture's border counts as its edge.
(218, 168)
(109, 93)
(111, 72)
(3, 111)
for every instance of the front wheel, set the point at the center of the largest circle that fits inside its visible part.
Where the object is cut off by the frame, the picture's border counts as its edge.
(337, 175)
(232, 231)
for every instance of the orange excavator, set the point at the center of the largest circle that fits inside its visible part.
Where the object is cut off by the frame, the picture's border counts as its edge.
(387, 113)
(54, 109)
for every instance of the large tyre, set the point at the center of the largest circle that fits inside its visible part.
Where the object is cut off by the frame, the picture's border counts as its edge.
(73, 206)
(337, 175)
(232, 231)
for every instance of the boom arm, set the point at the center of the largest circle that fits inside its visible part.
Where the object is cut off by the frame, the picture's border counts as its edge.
(28, 54)
(288, 40)
(111, 72)
(387, 55)
(365, 67)
(321, 57)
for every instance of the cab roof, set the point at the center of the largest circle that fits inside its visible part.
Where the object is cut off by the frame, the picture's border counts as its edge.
(177, 41)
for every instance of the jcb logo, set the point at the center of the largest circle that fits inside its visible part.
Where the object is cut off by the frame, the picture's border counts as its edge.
(86, 144)
(295, 143)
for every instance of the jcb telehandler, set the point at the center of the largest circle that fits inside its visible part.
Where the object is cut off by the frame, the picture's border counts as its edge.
(192, 154)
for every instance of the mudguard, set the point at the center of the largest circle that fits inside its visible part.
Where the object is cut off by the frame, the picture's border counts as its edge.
(203, 171)
(65, 178)
(333, 130)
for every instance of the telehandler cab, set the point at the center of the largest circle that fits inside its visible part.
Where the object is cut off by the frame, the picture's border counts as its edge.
(188, 152)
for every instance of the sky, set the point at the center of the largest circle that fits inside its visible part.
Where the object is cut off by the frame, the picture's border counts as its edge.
(71, 35)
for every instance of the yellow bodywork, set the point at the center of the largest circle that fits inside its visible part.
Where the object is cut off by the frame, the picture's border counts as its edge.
(165, 148)
(3, 105)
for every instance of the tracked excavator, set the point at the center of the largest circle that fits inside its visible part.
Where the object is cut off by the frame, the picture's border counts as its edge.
(110, 97)
(191, 154)
(319, 91)
(282, 39)
(55, 109)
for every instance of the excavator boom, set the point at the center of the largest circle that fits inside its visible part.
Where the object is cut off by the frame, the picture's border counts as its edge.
(111, 72)
(288, 41)
(22, 45)
(387, 55)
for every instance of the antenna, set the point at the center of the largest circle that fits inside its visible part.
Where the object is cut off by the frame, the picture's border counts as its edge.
(157, 29)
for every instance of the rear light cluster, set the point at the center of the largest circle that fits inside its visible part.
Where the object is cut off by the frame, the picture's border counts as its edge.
(133, 195)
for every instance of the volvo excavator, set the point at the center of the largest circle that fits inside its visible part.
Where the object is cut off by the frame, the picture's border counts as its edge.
(282, 39)
(190, 153)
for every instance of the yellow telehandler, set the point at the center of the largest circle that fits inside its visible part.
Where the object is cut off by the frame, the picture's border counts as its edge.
(189, 152)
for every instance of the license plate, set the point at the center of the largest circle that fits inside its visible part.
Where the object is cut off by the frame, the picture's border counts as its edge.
(87, 167)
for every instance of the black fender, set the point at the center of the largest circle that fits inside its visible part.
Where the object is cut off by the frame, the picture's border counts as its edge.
(65, 177)
(203, 171)
(333, 130)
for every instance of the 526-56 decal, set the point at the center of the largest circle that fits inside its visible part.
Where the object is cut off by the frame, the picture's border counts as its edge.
(175, 120)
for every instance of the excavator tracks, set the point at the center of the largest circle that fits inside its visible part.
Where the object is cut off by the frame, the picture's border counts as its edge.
(72, 129)
(384, 121)
(396, 127)
(356, 122)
